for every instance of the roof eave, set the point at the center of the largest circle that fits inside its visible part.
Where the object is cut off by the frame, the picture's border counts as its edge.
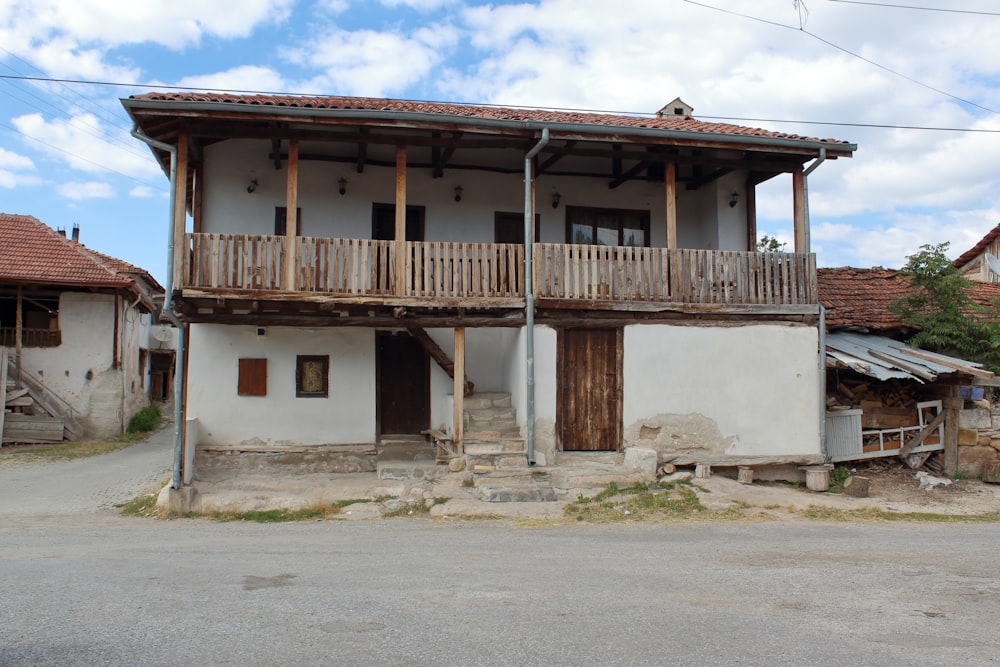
(797, 146)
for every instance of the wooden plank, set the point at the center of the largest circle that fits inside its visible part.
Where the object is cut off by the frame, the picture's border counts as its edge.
(289, 259)
(458, 387)
(32, 429)
(800, 223)
(180, 207)
(969, 370)
(670, 204)
(918, 439)
(3, 387)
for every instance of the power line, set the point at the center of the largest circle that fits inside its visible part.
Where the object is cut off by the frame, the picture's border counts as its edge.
(848, 52)
(569, 109)
(875, 126)
(925, 9)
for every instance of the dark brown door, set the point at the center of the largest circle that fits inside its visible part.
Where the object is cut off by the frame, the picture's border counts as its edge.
(402, 378)
(589, 389)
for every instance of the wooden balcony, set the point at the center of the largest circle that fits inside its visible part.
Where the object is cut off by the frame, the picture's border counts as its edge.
(30, 337)
(491, 275)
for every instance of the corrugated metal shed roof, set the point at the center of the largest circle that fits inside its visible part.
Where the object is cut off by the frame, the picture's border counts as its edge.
(883, 358)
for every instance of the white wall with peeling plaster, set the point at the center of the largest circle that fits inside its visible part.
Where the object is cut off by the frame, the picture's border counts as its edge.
(758, 383)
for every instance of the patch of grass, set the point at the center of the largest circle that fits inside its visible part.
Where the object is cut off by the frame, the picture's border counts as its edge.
(352, 501)
(961, 474)
(60, 451)
(407, 510)
(637, 503)
(838, 476)
(318, 511)
(875, 514)
(145, 420)
(143, 506)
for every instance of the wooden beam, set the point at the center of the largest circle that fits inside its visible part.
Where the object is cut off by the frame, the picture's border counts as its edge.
(800, 223)
(181, 255)
(968, 370)
(199, 197)
(291, 217)
(362, 150)
(751, 195)
(917, 439)
(459, 387)
(400, 234)
(276, 153)
(628, 175)
(3, 388)
(952, 404)
(670, 205)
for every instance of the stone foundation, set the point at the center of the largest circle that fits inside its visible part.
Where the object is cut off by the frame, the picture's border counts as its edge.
(300, 460)
(978, 438)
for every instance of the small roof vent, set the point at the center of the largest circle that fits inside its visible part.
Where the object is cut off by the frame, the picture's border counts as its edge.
(677, 107)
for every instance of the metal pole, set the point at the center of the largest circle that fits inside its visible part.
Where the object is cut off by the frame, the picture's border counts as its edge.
(529, 292)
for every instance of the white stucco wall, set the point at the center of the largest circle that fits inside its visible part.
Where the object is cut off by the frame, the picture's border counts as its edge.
(346, 416)
(759, 384)
(81, 370)
(230, 165)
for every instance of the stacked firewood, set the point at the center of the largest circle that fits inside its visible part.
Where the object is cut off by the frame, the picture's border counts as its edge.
(861, 394)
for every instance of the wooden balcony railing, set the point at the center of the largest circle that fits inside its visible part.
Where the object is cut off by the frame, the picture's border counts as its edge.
(30, 337)
(612, 273)
(494, 271)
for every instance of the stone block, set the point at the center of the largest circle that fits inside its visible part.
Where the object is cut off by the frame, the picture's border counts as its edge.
(642, 461)
(991, 472)
(968, 436)
(973, 460)
(975, 418)
(517, 494)
(984, 440)
(178, 501)
(456, 464)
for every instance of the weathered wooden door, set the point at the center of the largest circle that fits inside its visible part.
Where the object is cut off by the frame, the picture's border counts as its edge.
(402, 377)
(589, 389)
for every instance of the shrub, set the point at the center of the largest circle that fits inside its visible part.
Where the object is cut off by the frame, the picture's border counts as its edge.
(145, 420)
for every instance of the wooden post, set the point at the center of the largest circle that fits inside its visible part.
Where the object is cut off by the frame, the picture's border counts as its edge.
(18, 333)
(751, 195)
(800, 222)
(951, 404)
(198, 197)
(399, 243)
(3, 388)
(670, 205)
(291, 216)
(459, 388)
(180, 211)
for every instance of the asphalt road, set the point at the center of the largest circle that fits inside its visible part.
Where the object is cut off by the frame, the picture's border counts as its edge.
(116, 591)
(81, 585)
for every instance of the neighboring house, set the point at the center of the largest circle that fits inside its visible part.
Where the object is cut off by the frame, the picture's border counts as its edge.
(975, 263)
(885, 398)
(638, 315)
(76, 323)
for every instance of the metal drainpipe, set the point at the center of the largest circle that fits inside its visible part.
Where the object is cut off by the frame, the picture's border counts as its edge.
(820, 159)
(168, 307)
(529, 291)
(822, 381)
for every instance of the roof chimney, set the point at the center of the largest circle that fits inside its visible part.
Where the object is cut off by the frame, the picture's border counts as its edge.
(76, 233)
(677, 107)
(61, 231)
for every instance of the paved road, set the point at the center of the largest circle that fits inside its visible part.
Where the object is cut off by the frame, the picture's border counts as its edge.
(81, 585)
(84, 486)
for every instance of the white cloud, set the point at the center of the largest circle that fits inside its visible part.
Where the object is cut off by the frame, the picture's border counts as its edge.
(141, 191)
(78, 191)
(246, 77)
(87, 145)
(371, 63)
(419, 5)
(13, 168)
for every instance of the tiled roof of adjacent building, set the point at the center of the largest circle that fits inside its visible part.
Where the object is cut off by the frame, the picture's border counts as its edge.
(31, 252)
(979, 248)
(486, 112)
(860, 298)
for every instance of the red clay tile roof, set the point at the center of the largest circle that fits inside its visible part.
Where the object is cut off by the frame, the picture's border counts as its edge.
(977, 249)
(666, 122)
(31, 252)
(861, 297)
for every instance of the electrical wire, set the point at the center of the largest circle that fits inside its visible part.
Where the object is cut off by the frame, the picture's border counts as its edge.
(848, 52)
(925, 9)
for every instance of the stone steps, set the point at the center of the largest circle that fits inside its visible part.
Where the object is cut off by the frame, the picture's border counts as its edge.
(492, 437)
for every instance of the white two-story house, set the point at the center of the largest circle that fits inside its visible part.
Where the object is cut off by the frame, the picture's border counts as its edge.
(350, 271)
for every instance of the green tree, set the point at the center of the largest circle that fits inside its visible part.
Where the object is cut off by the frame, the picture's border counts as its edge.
(941, 308)
(770, 244)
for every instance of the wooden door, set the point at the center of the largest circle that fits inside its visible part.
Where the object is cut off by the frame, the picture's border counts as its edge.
(403, 385)
(589, 389)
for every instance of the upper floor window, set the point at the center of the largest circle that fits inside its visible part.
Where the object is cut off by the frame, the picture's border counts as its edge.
(607, 226)
(281, 220)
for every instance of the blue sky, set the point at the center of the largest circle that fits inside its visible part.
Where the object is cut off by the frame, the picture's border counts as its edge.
(66, 157)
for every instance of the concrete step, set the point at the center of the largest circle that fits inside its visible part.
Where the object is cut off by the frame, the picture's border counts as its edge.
(481, 415)
(529, 493)
(493, 446)
(486, 400)
(498, 460)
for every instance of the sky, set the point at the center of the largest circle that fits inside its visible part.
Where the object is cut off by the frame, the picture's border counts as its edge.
(876, 75)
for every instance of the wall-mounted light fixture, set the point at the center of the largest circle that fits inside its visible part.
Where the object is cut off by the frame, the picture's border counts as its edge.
(253, 182)
(556, 197)
(734, 199)
(342, 185)
(458, 192)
